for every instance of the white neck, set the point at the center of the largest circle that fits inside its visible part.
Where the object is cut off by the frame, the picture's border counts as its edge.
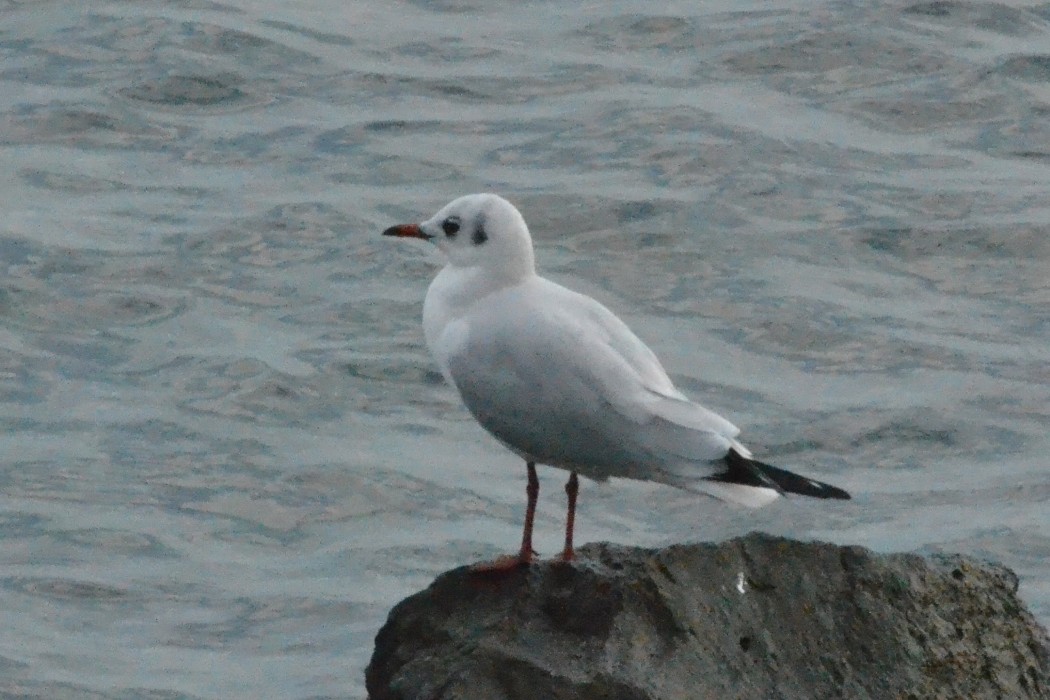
(456, 289)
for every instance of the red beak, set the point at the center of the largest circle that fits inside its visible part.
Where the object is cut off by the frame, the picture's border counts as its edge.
(407, 231)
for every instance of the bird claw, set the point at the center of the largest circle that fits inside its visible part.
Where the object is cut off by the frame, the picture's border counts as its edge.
(504, 564)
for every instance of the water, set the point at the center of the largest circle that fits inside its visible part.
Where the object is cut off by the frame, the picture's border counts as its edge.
(225, 453)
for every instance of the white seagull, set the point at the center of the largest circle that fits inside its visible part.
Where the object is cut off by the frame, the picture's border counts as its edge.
(560, 380)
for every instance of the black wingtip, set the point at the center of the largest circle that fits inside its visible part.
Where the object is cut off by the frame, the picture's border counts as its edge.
(750, 472)
(746, 472)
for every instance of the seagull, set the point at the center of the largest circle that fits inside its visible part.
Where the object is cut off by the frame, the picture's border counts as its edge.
(559, 380)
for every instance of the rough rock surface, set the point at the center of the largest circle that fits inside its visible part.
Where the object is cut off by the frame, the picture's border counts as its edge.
(754, 617)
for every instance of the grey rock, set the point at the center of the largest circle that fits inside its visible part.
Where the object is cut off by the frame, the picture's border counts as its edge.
(754, 617)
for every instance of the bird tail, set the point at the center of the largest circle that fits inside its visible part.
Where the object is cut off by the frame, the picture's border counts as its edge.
(753, 483)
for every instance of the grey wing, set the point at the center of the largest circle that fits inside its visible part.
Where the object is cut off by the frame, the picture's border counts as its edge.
(570, 389)
(663, 399)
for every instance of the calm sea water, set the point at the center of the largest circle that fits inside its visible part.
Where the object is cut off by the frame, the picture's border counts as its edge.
(224, 452)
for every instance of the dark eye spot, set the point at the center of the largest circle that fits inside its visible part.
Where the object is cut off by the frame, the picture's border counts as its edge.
(479, 236)
(450, 226)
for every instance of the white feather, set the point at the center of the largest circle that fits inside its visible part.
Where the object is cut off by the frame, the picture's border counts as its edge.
(553, 374)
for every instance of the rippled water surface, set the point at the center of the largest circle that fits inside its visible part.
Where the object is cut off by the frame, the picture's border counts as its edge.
(225, 452)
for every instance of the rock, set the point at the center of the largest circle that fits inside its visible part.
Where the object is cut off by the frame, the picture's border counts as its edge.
(754, 617)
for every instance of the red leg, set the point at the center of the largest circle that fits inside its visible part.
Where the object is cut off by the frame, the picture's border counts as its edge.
(532, 490)
(524, 557)
(571, 489)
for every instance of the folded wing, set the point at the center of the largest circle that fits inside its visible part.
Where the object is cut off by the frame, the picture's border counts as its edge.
(559, 379)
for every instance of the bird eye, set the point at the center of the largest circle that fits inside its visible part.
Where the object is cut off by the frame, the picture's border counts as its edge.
(450, 226)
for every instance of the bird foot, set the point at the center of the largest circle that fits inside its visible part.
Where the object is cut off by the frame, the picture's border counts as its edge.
(504, 564)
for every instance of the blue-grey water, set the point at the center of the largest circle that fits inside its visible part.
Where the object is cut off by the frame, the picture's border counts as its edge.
(224, 451)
